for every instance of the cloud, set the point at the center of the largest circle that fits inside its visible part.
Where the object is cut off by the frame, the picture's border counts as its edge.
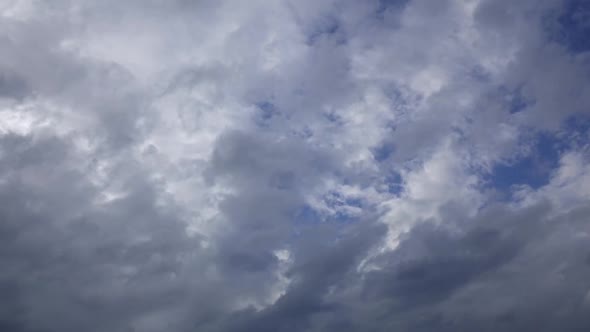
(294, 166)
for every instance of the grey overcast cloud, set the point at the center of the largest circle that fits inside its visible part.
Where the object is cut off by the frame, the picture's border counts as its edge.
(294, 165)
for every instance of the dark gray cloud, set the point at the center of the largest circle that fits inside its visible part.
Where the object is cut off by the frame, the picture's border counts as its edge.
(12, 86)
(69, 264)
(488, 274)
(224, 166)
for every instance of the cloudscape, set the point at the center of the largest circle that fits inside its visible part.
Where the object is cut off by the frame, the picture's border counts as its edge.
(294, 165)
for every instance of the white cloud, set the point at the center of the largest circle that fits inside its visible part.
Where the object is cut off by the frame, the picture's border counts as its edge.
(157, 153)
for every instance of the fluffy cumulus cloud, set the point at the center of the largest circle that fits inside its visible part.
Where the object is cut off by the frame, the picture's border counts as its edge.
(282, 165)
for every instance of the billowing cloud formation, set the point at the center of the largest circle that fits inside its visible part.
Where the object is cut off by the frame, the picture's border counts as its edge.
(283, 165)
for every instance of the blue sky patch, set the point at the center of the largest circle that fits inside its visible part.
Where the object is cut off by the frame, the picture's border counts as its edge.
(394, 182)
(513, 99)
(573, 26)
(383, 151)
(533, 169)
(517, 102)
(326, 28)
(267, 109)
(265, 114)
(387, 5)
(307, 215)
(536, 168)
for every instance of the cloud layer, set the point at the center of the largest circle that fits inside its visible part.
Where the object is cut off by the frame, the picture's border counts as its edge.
(332, 165)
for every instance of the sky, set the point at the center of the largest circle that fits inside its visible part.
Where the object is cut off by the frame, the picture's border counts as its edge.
(294, 165)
